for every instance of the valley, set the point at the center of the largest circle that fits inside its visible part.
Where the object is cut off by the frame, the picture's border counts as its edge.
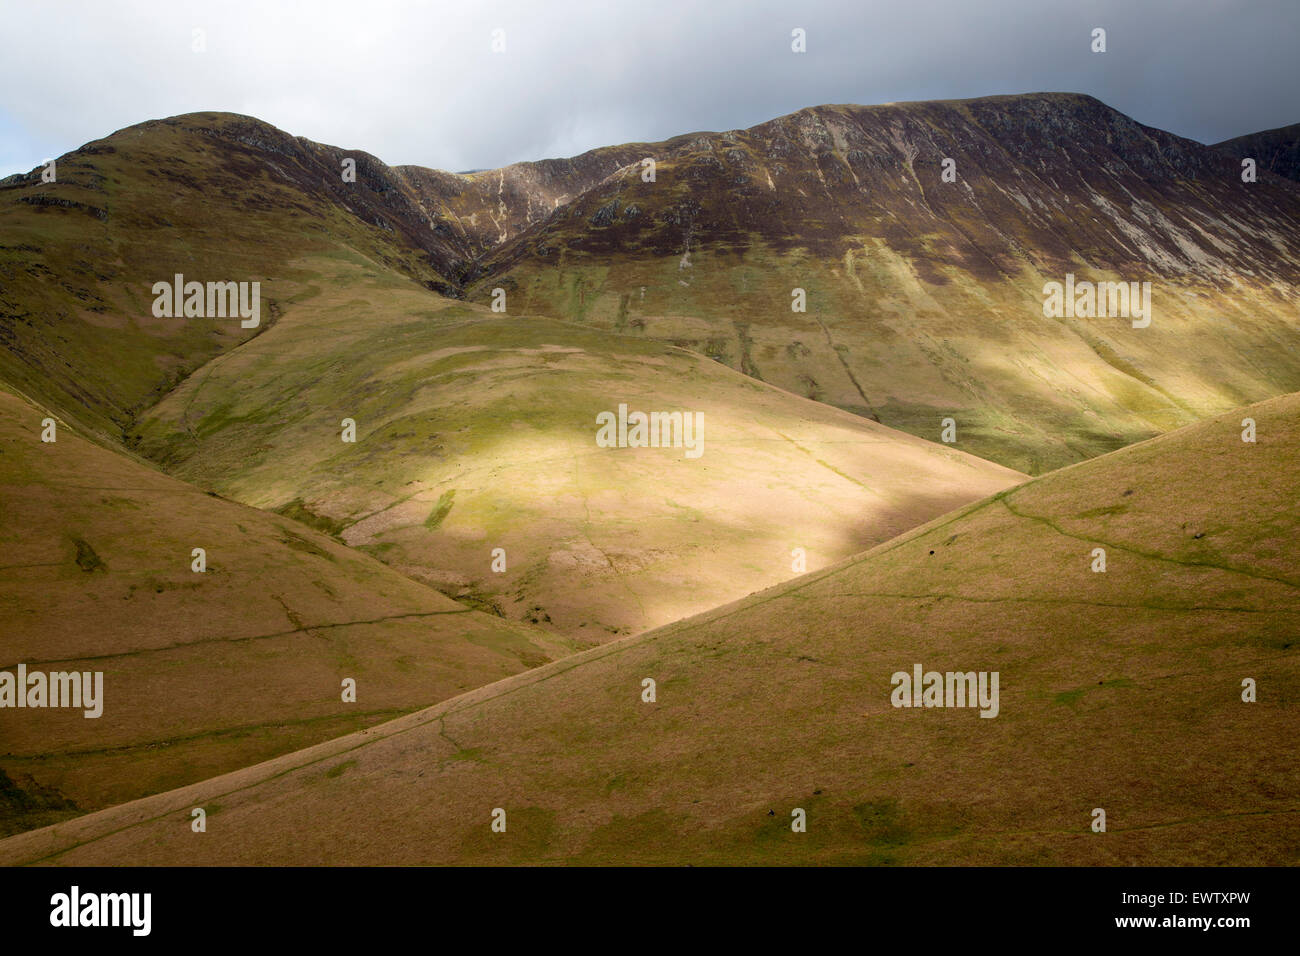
(373, 503)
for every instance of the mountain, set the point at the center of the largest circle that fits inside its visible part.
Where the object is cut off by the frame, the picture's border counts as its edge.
(202, 672)
(1276, 150)
(1119, 690)
(214, 197)
(476, 430)
(220, 197)
(482, 209)
(924, 298)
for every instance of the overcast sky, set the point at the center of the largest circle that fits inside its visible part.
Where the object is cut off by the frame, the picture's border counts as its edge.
(418, 82)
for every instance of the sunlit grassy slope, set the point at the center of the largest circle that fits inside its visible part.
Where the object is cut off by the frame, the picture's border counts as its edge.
(477, 431)
(206, 672)
(1119, 690)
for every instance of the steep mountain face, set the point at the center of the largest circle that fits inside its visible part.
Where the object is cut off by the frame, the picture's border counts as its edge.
(924, 298)
(203, 670)
(1275, 150)
(1123, 690)
(486, 208)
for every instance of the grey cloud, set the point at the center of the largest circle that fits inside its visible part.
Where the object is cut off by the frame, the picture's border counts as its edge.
(417, 82)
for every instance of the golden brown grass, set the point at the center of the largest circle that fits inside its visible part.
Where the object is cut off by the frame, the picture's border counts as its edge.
(1119, 690)
(202, 672)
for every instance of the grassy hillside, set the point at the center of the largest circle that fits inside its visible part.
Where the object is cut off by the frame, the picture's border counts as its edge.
(1119, 690)
(477, 431)
(203, 672)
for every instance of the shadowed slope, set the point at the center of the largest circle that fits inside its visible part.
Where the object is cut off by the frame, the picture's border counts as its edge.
(203, 672)
(1118, 690)
(1276, 150)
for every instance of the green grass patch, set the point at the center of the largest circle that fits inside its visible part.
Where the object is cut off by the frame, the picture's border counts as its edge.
(298, 511)
(441, 509)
